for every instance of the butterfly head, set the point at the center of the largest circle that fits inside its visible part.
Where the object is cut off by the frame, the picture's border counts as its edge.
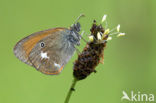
(75, 29)
(75, 37)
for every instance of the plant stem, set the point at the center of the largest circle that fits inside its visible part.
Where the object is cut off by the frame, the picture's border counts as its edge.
(70, 91)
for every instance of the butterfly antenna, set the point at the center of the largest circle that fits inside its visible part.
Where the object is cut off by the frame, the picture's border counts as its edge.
(81, 15)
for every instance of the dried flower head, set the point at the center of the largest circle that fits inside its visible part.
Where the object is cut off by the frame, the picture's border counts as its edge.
(93, 53)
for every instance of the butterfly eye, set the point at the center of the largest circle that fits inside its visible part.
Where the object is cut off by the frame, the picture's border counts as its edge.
(42, 44)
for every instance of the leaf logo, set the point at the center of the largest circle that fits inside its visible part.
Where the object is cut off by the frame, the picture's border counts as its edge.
(125, 96)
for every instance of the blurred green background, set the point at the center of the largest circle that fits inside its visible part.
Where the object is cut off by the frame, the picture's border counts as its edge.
(129, 63)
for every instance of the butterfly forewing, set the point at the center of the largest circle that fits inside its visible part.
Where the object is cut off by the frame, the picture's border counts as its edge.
(48, 51)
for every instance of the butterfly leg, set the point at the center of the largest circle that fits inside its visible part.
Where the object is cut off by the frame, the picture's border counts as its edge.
(83, 38)
(77, 51)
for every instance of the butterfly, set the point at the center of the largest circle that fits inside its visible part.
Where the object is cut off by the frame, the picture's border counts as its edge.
(50, 50)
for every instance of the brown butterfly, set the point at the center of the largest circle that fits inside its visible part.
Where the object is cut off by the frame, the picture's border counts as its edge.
(48, 51)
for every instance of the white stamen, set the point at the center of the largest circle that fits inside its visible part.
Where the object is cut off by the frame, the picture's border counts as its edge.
(118, 28)
(98, 36)
(109, 38)
(44, 55)
(121, 34)
(91, 38)
(104, 18)
(57, 65)
(106, 31)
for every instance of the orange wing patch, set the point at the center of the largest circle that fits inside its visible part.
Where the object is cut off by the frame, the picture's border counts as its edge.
(52, 73)
(31, 42)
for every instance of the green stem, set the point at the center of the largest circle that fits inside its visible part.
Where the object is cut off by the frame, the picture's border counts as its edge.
(70, 91)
